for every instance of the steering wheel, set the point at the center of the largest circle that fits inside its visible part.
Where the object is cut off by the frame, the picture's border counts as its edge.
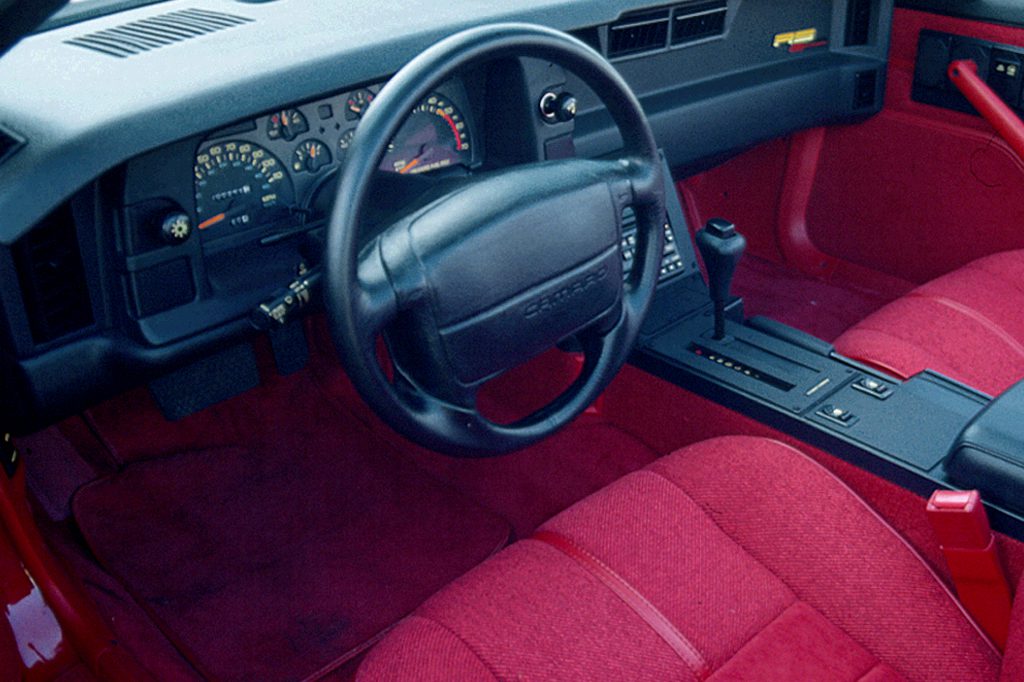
(499, 269)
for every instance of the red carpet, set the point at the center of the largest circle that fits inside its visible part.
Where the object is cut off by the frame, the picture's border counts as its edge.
(820, 308)
(281, 559)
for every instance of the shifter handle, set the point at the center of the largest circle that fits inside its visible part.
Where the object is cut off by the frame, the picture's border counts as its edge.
(721, 248)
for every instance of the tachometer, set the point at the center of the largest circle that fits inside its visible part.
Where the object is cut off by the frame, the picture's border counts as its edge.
(239, 185)
(434, 136)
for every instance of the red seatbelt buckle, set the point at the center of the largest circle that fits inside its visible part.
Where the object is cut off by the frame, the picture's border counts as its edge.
(966, 539)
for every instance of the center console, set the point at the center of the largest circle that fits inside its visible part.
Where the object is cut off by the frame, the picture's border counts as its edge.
(924, 433)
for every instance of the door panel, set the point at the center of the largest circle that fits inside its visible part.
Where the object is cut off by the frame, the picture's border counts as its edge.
(918, 191)
(906, 196)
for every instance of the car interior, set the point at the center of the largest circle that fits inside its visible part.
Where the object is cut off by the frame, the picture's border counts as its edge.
(558, 339)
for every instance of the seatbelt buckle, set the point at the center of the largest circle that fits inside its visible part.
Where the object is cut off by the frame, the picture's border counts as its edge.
(961, 525)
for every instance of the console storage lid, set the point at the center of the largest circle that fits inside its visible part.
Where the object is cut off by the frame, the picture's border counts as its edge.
(989, 453)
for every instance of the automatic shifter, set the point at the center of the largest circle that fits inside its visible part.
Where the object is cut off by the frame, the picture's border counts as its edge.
(721, 247)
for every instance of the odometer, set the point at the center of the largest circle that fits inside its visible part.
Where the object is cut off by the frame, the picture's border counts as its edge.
(239, 185)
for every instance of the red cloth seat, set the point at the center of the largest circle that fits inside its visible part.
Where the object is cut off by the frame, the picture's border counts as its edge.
(733, 559)
(968, 325)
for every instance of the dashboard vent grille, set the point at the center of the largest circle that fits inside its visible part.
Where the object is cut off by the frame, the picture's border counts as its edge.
(638, 33)
(697, 21)
(858, 22)
(161, 30)
(52, 278)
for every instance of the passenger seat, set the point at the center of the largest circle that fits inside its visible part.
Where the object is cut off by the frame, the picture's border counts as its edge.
(968, 325)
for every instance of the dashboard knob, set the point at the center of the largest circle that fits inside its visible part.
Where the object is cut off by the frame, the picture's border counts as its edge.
(558, 107)
(176, 228)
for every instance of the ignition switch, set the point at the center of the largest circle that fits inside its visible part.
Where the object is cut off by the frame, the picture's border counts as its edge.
(557, 107)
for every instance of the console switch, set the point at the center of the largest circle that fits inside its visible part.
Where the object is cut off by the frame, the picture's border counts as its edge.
(873, 387)
(838, 415)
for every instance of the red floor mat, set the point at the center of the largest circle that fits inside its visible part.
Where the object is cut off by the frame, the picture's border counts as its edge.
(279, 560)
(820, 308)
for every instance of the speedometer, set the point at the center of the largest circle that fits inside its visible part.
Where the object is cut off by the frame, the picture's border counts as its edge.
(239, 185)
(434, 136)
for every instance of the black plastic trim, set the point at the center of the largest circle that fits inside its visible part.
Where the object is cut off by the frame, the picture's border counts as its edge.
(1007, 12)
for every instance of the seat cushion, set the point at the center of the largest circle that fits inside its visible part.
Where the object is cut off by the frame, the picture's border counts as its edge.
(737, 558)
(968, 325)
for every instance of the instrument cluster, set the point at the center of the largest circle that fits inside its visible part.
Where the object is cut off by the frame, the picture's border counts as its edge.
(275, 168)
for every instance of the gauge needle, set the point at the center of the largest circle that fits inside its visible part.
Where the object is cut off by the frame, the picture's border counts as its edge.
(210, 222)
(409, 166)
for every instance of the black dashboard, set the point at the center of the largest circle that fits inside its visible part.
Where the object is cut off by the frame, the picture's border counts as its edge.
(214, 226)
(173, 192)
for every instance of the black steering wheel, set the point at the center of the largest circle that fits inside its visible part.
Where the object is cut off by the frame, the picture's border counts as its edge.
(499, 269)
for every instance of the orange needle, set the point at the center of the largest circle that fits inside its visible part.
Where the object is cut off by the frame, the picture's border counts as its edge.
(409, 166)
(211, 221)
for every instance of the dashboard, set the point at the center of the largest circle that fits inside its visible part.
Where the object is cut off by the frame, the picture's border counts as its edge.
(220, 226)
(155, 200)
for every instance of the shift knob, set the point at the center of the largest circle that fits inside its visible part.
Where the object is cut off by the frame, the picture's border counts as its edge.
(721, 248)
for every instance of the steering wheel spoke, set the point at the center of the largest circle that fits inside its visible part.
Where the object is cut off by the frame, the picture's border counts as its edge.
(375, 298)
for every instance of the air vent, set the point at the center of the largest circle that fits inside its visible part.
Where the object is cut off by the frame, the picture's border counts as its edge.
(697, 21)
(52, 278)
(864, 85)
(638, 33)
(858, 22)
(161, 30)
(8, 144)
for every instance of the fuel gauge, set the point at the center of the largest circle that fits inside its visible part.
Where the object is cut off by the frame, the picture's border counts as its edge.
(310, 156)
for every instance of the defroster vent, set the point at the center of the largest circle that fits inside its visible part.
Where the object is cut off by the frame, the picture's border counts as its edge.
(158, 31)
(52, 278)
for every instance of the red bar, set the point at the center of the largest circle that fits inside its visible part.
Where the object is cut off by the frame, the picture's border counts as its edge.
(964, 74)
(961, 525)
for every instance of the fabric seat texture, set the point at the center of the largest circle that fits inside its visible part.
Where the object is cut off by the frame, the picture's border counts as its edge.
(968, 325)
(737, 558)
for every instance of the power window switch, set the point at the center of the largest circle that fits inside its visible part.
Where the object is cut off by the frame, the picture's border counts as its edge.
(873, 387)
(837, 414)
(1005, 76)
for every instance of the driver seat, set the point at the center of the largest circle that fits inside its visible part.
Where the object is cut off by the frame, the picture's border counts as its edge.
(737, 558)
